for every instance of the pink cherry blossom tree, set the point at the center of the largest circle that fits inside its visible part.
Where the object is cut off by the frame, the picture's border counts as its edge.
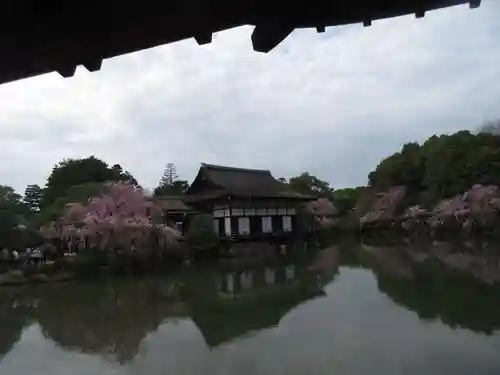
(323, 211)
(121, 217)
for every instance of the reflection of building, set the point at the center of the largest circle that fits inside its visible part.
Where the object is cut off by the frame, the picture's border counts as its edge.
(245, 203)
(112, 320)
(249, 300)
(233, 284)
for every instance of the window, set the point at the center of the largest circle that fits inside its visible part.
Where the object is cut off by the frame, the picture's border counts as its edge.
(269, 276)
(227, 226)
(216, 226)
(243, 225)
(246, 280)
(230, 283)
(218, 213)
(287, 224)
(267, 224)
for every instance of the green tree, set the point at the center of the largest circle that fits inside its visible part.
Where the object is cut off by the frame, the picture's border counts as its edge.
(75, 194)
(170, 184)
(169, 175)
(406, 167)
(33, 196)
(14, 215)
(309, 184)
(345, 199)
(490, 127)
(176, 188)
(9, 195)
(442, 166)
(201, 232)
(455, 162)
(71, 172)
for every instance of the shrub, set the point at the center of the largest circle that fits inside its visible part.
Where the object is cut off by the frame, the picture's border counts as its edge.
(63, 265)
(201, 232)
(39, 278)
(29, 269)
(86, 264)
(12, 277)
(48, 269)
(3, 268)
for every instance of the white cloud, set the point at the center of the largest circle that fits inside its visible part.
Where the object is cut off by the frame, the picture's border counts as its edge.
(333, 104)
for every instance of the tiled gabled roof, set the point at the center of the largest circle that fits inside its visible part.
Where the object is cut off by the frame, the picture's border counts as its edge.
(247, 182)
(172, 203)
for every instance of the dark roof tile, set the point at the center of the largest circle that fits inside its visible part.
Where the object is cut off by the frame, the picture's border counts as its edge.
(172, 203)
(248, 182)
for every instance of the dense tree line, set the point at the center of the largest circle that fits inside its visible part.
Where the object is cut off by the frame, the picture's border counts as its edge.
(305, 183)
(76, 180)
(16, 218)
(74, 172)
(71, 180)
(443, 166)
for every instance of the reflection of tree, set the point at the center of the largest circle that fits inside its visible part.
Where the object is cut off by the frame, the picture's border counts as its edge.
(222, 317)
(14, 316)
(326, 262)
(387, 260)
(109, 319)
(433, 292)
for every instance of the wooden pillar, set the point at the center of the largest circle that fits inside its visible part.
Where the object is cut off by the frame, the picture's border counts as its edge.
(227, 220)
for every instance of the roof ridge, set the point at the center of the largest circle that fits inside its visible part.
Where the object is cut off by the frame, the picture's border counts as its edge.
(228, 168)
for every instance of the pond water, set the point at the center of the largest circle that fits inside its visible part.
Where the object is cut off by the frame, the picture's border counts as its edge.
(345, 310)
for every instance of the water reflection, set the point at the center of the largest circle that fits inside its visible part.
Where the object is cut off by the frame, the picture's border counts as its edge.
(14, 317)
(435, 290)
(113, 318)
(349, 309)
(250, 300)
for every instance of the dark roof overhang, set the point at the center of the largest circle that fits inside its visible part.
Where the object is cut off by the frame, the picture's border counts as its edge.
(38, 37)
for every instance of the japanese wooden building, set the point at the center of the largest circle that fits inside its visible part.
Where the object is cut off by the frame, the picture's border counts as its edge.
(245, 203)
(175, 213)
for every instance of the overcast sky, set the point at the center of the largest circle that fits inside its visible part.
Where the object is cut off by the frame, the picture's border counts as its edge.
(332, 104)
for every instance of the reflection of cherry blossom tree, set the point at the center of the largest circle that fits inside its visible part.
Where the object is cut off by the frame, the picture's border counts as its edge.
(121, 216)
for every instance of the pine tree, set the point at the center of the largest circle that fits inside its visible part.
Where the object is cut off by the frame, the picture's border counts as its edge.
(32, 197)
(169, 175)
(169, 183)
